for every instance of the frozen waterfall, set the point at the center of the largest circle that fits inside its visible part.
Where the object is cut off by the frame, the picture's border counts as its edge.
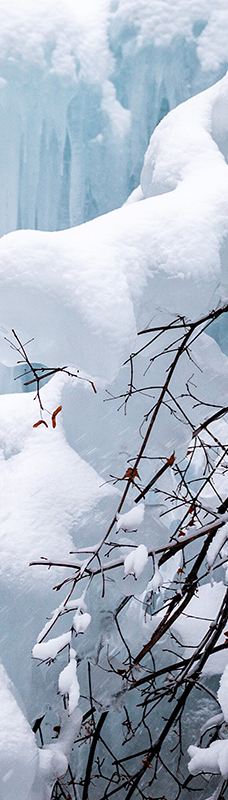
(81, 89)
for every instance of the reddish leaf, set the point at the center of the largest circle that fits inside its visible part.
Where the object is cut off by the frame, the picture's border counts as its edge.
(131, 473)
(40, 422)
(54, 415)
(171, 459)
(182, 533)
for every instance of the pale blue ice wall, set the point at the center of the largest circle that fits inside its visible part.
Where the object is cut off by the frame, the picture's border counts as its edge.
(72, 145)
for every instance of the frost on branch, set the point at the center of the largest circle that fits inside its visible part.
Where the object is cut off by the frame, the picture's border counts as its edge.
(135, 561)
(49, 649)
(68, 682)
(81, 621)
(132, 520)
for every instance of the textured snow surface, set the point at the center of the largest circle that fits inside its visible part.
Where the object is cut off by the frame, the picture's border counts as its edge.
(213, 759)
(78, 32)
(50, 484)
(157, 23)
(79, 291)
(132, 519)
(50, 648)
(135, 561)
(81, 622)
(18, 750)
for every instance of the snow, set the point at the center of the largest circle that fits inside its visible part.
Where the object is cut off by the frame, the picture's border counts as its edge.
(156, 582)
(27, 772)
(77, 34)
(213, 722)
(68, 682)
(223, 693)
(77, 603)
(59, 487)
(193, 624)
(50, 648)
(81, 622)
(131, 520)
(135, 561)
(67, 162)
(82, 294)
(216, 546)
(54, 758)
(213, 759)
(18, 751)
(63, 280)
(157, 23)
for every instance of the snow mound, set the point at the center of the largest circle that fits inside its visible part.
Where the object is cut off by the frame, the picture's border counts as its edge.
(79, 291)
(18, 751)
(51, 487)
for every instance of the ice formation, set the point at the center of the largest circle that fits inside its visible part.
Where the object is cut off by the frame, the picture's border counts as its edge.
(83, 292)
(66, 282)
(191, 627)
(74, 126)
(223, 693)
